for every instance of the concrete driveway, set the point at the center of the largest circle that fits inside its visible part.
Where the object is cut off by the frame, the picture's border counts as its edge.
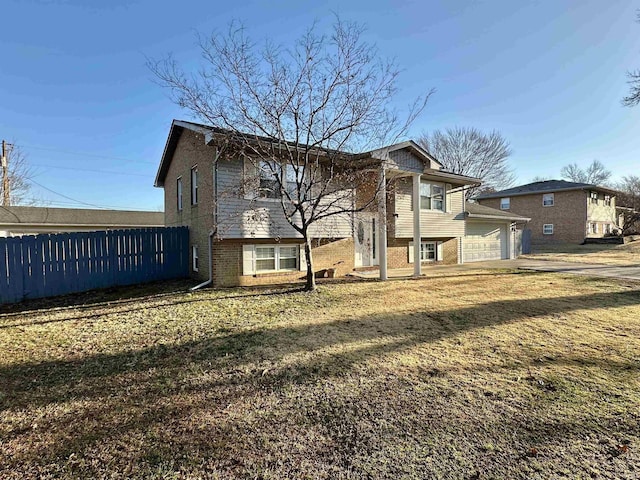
(624, 272)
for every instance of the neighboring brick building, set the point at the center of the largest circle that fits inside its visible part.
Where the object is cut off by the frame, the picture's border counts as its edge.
(560, 211)
(221, 199)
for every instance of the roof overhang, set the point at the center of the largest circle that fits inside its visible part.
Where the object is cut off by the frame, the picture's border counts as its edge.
(177, 127)
(448, 177)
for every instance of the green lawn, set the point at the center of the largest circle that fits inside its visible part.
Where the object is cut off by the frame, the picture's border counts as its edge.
(484, 374)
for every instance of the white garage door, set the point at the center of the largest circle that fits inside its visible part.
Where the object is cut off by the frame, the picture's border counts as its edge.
(485, 241)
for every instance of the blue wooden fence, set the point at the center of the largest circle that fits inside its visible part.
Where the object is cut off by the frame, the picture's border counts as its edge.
(47, 265)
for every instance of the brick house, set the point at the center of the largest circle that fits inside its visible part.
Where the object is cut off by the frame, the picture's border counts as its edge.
(241, 238)
(560, 211)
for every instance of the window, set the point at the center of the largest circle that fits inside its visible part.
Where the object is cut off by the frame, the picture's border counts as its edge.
(194, 185)
(268, 187)
(179, 193)
(593, 228)
(547, 200)
(593, 197)
(607, 226)
(547, 229)
(431, 196)
(265, 258)
(427, 251)
(505, 203)
(607, 200)
(194, 258)
(272, 258)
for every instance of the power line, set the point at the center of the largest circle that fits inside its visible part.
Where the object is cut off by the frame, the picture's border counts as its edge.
(89, 170)
(85, 154)
(64, 196)
(62, 203)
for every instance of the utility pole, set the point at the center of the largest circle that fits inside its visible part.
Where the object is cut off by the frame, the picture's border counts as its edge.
(6, 198)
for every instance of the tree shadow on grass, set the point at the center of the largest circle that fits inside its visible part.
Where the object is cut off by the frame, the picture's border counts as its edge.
(163, 388)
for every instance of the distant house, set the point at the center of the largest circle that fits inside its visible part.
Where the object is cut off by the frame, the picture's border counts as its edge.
(426, 223)
(560, 211)
(17, 221)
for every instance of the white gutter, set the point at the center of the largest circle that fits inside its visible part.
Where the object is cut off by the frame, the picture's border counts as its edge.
(210, 281)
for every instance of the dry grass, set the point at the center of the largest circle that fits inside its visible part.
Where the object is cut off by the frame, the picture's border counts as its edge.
(628, 254)
(482, 375)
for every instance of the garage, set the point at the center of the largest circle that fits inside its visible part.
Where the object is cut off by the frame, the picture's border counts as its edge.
(489, 235)
(485, 241)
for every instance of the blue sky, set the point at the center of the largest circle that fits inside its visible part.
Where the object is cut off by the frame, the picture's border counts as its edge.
(549, 75)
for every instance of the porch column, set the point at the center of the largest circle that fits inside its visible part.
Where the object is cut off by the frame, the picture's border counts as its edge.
(382, 221)
(417, 264)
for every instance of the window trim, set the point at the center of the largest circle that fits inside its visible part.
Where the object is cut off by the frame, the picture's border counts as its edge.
(553, 200)
(179, 193)
(443, 187)
(435, 251)
(194, 185)
(195, 258)
(544, 229)
(508, 203)
(277, 257)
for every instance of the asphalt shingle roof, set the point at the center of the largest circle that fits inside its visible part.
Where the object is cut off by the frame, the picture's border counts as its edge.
(477, 209)
(542, 187)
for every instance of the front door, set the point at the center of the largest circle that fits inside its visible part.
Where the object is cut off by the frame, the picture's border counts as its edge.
(366, 240)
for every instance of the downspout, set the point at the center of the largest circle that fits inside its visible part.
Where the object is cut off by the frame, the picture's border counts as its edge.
(208, 282)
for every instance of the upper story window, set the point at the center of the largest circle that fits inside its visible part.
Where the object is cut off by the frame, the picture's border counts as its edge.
(607, 200)
(431, 196)
(269, 174)
(593, 196)
(548, 200)
(194, 185)
(179, 193)
(505, 203)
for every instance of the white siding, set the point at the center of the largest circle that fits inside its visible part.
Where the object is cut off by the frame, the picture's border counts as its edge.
(432, 223)
(241, 217)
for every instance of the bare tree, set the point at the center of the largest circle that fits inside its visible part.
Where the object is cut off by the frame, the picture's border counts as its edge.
(468, 151)
(298, 115)
(628, 199)
(596, 173)
(633, 79)
(540, 178)
(18, 176)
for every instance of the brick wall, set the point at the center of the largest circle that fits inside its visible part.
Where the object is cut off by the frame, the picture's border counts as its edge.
(398, 252)
(568, 215)
(327, 253)
(191, 150)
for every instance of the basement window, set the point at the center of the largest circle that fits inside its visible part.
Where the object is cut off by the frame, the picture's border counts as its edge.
(194, 258)
(273, 258)
(547, 229)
